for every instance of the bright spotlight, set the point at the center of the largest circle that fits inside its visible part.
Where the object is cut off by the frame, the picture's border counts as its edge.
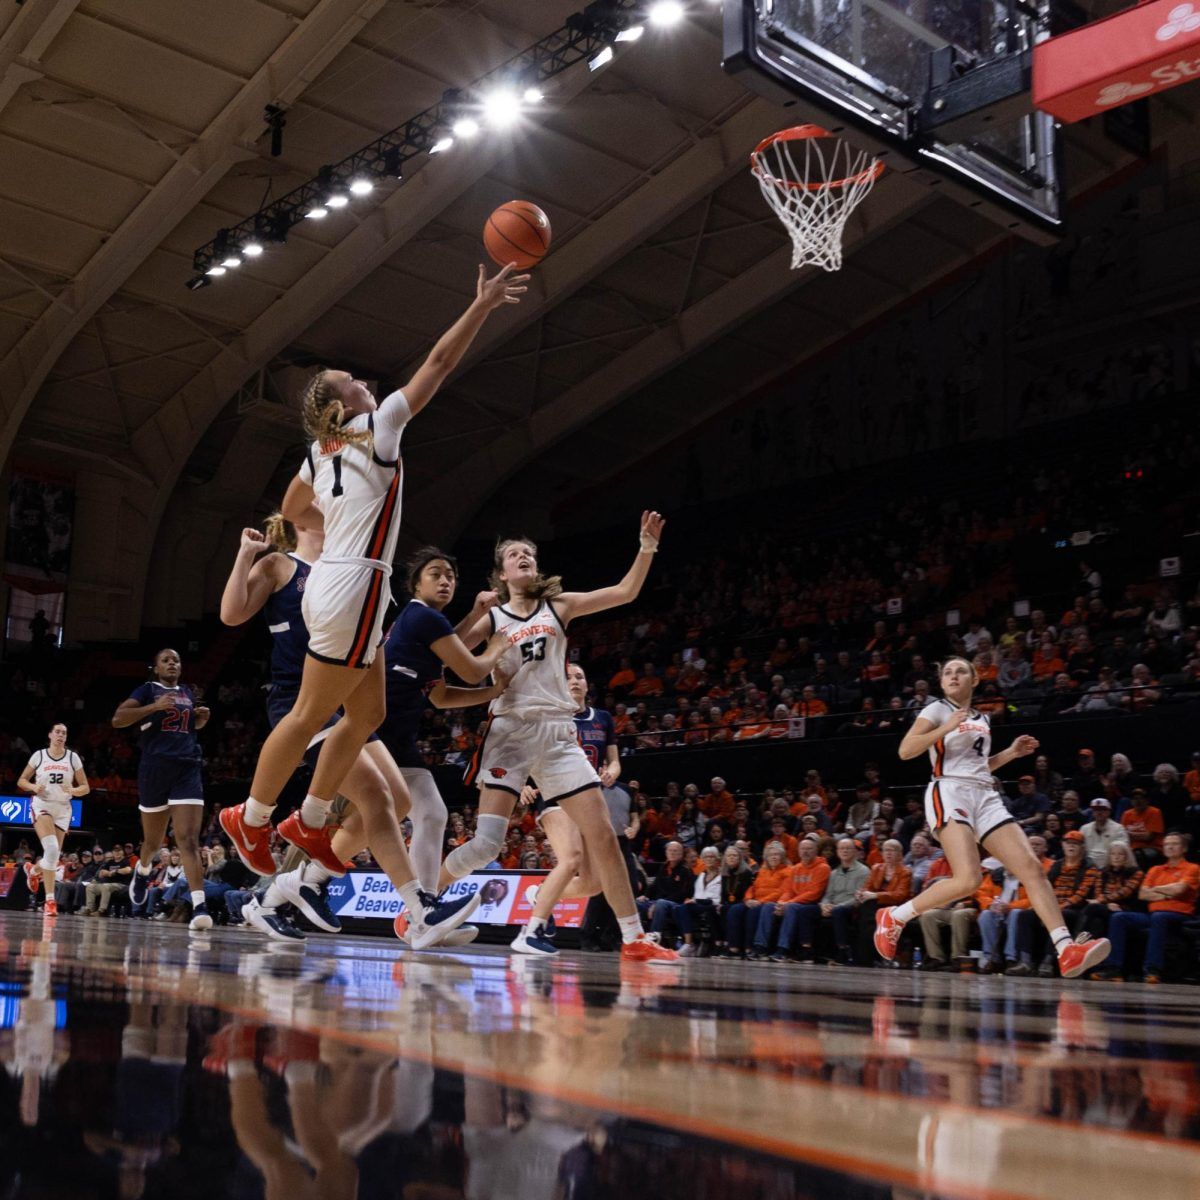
(252, 249)
(361, 186)
(232, 261)
(534, 95)
(501, 109)
(216, 270)
(601, 60)
(337, 200)
(665, 13)
(317, 213)
(465, 127)
(441, 144)
(631, 34)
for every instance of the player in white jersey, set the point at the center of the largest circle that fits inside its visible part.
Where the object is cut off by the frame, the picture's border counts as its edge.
(349, 485)
(964, 810)
(531, 727)
(53, 777)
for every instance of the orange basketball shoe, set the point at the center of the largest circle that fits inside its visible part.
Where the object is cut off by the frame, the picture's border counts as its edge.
(250, 842)
(647, 951)
(316, 843)
(887, 934)
(1082, 954)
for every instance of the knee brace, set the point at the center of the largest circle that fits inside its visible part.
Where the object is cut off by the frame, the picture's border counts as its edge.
(483, 849)
(50, 852)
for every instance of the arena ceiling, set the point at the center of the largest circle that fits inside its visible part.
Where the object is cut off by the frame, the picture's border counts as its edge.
(131, 131)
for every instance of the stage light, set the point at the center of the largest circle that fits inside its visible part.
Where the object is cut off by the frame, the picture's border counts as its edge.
(361, 186)
(252, 249)
(215, 270)
(197, 282)
(534, 95)
(465, 127)
(601, 60)
(232, 261)
(631, 34)
(441, 144)
(501, 109)
(337, 200)
(317, 213)
(665, 13)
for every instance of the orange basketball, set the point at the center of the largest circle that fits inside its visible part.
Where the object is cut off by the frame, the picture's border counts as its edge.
(517, 232)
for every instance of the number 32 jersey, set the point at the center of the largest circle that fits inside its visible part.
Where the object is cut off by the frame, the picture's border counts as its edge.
(964, 753)
(536, 661)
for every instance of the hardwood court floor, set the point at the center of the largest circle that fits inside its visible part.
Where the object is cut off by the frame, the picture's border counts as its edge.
(144, 1061)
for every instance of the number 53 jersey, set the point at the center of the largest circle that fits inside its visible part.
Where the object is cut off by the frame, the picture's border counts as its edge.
(536, 662)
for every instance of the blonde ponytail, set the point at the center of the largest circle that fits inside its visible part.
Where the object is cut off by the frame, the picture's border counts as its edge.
(543, 587)
(280, 533)
(323, 414)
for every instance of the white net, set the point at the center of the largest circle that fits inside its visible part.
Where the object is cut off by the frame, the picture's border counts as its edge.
(813, 181)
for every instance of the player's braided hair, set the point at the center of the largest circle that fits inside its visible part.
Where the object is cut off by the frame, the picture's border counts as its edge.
(280, 533)
(324, 414)
(419, 561)
(543, 587)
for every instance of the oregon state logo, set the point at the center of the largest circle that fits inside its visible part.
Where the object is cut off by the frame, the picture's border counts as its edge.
(497, 772)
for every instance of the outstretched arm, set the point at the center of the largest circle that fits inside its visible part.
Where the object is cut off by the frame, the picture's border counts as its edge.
(580, 604)
(1023, 745)
(503, 288)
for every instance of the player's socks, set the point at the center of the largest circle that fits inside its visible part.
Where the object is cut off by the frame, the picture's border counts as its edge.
(314, 874)
(255, 814)
(631, 928)
(903, 913)
(314, 811)
(1061, 938)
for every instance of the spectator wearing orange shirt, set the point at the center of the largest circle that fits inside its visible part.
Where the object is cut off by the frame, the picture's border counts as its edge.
(649, 684)
(719, 804)
(1047, 662)
(756, 914)
(889, 883)
(624, 678)
(1144, 824)
(802, 906)
(1191, 780)
(779, 833)
(1170, 891)
(810, 704)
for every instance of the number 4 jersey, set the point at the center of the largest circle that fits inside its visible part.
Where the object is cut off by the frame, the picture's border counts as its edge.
(964, 753)
(536, 661)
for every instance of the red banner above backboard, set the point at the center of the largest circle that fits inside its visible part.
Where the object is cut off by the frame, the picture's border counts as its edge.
(1125, 57)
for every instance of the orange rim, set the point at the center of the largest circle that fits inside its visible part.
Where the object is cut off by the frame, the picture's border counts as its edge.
(799, 133)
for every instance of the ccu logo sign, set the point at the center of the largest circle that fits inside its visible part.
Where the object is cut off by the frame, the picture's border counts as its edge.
(11, 810)
(1183, 18)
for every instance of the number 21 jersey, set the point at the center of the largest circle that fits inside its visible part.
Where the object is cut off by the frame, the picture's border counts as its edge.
(536, 661)
(964, 753)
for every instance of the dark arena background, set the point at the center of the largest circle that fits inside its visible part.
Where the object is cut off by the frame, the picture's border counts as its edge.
(879, 878)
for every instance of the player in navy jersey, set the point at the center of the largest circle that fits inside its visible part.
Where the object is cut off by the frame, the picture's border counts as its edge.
(274, 585)
(573, 875)
(419, 647)
(170, 790)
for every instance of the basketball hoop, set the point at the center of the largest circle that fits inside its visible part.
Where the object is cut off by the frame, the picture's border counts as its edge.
(813, 181)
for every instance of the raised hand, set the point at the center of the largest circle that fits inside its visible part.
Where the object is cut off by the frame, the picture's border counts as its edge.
(1025, 744)
(503, 288)
(651, 530)
(253, 539)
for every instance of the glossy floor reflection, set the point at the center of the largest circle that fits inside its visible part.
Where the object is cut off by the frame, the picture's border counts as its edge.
(143, 1061)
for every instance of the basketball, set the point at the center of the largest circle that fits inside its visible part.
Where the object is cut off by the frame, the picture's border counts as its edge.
(517, 232)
